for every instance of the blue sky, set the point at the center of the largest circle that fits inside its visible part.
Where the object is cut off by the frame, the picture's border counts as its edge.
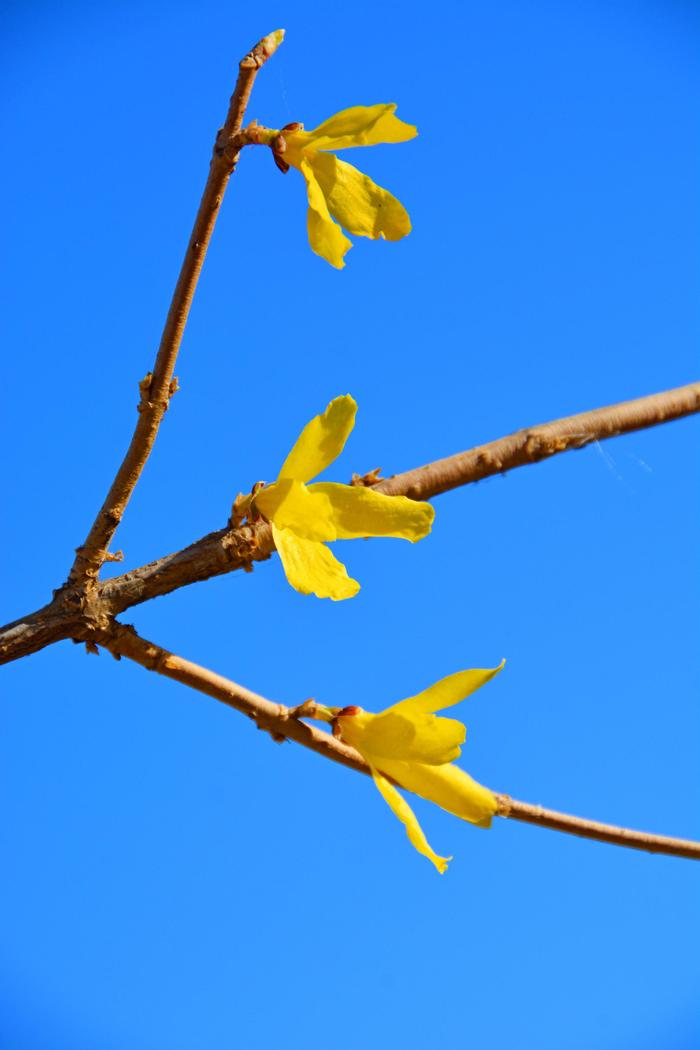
(171, 877)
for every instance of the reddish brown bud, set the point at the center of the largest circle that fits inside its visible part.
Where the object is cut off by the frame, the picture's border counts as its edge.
(352, 710)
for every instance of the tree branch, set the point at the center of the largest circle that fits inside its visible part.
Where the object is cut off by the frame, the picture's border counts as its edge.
(229, 549)
(158, 386)
(281, 723)
(214, 555)
(593, 829)
(534, 444)
(53, 623)
(276, 719)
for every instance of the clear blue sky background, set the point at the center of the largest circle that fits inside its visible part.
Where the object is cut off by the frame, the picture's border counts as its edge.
(171, 878)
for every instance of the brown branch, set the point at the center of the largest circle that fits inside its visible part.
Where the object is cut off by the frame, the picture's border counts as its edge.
(32, 633)
(593, 829)
(227, 550)
(281, 723)
(158, 386)
(534, 444)
(122, 640)
(214, 555)
(230, 549)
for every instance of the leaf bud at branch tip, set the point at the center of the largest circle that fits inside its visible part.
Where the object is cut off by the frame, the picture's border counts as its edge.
(262, 50)
(273, 40)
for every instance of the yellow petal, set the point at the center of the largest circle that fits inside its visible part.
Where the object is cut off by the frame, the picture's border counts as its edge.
(358, 511)
(311, 568)
(408, 818)
(321, 441)
(356, 126)
(291, 505)
(420, 738)
(447, 691)
(358, 203)
(325, 237)
(448, 786)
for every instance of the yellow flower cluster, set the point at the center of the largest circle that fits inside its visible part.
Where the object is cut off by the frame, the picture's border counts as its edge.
(407, 744)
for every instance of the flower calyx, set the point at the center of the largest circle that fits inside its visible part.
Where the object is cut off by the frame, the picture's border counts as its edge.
(278, 145)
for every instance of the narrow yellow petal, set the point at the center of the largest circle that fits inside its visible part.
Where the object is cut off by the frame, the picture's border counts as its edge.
(325, 236)
(448, 786)
(358, 203)
(447, 691)
(408, 818)
(356, 126)
(358, 511)
(291, 505)
(311, 568)
(418, 738)
(321, 441)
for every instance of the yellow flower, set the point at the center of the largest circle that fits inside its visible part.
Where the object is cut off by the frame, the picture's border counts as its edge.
(304, 517)
(335, 188)
(412, 747)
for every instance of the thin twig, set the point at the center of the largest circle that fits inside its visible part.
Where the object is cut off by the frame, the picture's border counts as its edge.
(534, 444)
(158, 386)
(229, 549)
(122, 640)
(279, 721)
(593, 829)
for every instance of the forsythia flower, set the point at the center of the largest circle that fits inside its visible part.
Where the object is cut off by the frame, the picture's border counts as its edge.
(335, 188)
(415, 749)
(304, 517)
